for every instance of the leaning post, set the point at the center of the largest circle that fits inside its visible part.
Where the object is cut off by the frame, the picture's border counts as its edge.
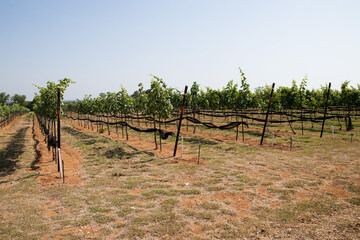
(267, 113)
(181, 116)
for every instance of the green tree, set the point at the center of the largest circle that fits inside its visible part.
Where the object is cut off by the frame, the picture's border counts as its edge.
(20, 99)
(4, 97)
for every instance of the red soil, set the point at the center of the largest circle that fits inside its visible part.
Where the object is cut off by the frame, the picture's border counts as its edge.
(47, 168)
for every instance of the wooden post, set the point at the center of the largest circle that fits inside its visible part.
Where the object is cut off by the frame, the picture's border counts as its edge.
(267, 113)
(58, 125)
(181, 116)
(326, 103)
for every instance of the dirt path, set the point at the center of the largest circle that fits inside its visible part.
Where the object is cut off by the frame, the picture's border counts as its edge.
(28, 178)
(23, 136)
(46, 166)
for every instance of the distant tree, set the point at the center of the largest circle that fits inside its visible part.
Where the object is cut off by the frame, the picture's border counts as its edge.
(20, 99)
(102, 95)
(135, 94)
(4, 98)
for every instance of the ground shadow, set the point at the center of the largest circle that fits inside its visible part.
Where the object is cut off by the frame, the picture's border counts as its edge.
(9, 156)
(146, 152)
(77, 134)
(37, 152)
(118, 152)
(196, 140)
(87, 139)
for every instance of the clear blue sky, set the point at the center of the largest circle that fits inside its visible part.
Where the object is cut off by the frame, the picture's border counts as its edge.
(105, 44)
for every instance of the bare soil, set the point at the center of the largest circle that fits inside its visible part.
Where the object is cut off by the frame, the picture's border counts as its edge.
(47, 168)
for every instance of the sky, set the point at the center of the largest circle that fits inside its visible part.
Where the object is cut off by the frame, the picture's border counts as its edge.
(103, 45)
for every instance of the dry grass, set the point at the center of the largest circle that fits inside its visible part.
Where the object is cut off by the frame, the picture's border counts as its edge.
(239, 191)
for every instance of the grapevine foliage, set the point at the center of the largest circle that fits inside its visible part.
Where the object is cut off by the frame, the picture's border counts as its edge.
(45, 102)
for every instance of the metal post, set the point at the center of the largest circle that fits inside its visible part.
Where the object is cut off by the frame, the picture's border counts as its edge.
(60, 164)
(326, 103)
(182, 146)
(199, 153)
(181, 116)
(267, 113)
(63, 172)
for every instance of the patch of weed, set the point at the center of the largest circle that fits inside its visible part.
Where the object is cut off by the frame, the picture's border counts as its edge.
(209, 206)
(354, 188)
(355, 201)
(285, 194)
(215, 188)
(205, 215)
(294, 184)
(98, 209)
(102, 219)
(169, 204)
(248, 180)
(308, 209)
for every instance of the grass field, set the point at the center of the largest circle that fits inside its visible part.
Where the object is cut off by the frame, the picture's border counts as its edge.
(127, 190)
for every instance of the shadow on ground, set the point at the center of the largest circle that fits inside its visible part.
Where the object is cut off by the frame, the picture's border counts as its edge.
(37, 152)
(196, 140)
(77, 134)
(110, 152)
(10, 154)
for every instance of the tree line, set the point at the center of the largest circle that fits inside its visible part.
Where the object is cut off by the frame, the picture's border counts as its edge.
(11, 105)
